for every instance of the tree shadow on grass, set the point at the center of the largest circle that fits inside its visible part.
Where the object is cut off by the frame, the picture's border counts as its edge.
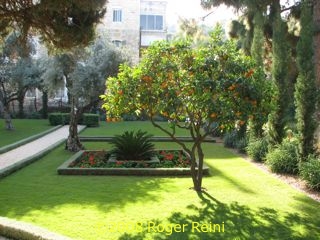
(38, 187)
(215, 172)
(236, 221)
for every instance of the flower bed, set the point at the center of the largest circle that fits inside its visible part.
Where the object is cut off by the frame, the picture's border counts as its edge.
(170, 162)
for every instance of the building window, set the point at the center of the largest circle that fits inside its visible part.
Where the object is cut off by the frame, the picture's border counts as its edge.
(117, 15)
(151, 22)
(118, 43)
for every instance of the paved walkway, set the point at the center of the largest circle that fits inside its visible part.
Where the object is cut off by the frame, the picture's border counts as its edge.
(27, 151)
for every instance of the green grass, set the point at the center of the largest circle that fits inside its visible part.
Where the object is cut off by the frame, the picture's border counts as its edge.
(23, 128)
(110, 129)
(248, 202)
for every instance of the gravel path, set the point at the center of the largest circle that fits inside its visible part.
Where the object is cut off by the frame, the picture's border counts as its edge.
(33, 148)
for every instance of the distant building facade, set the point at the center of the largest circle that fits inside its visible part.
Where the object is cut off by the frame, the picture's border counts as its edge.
(135, 24)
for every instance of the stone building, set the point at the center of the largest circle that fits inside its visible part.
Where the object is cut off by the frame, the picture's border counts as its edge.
(135, 24)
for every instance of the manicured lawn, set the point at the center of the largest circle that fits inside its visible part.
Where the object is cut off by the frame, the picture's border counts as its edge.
(110, 128)
(23, 128)
(245, 201)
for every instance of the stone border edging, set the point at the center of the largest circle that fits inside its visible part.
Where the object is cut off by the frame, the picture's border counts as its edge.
(27, 140)
(18, 165)
(18, 230)
(154, 138)
(64, 169)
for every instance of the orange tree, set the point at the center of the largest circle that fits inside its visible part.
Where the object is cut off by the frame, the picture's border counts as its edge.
(192, 87)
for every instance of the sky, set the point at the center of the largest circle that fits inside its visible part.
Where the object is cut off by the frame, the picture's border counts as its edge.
(192, 9)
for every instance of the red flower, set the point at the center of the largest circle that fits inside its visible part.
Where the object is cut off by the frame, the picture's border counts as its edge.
(169, 156)
(118, 163)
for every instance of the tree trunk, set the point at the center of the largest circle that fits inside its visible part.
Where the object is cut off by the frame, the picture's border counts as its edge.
(45, 105)
(73, 142)
(7, 118)
(197, 169)
(21, 107)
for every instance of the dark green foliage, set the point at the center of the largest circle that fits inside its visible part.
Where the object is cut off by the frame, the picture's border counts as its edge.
(55, 119)
(230, 139)
(306, 93)
(310, 172)
(280, 76)
(34, 115)
(133, 146)
(59, 118)
(236, 140)
(284, 158)
(257, 149)
(44, 110)
(91, 120)
(242, 144)
(61, 23)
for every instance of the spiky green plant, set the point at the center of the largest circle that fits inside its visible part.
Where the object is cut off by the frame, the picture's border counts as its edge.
(133, 146)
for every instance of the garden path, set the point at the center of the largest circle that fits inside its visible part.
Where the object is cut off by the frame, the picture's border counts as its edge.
(12, 159)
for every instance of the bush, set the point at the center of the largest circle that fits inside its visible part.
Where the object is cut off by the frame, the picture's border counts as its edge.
(133, 146)
(310, 172)
(59, 118)
(257, 149)
(55, 119)
(34, 115)
(66, 118)
(91, 120)
(230, 139)
(284, 158)
(242, 144)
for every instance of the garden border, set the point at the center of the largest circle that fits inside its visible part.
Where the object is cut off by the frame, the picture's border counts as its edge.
(9, 147)
(154, 139)
(14, 229)
(21, 164)
(64, 169)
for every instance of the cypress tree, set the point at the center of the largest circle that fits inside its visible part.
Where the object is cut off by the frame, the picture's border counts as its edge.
(280, 51)
(257, 54)
(306, 93)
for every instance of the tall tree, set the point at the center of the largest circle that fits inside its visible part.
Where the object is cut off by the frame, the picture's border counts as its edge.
(306, 93)
(280, 53)
(85, 73)
(19, 73)
(316, 39)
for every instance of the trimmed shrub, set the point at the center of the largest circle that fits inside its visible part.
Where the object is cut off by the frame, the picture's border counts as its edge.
(59, 118)
(66, 118)
(34, 115)
(91, 120)
(55, 119)
(284, 158)
(257, 149)
(310, 172)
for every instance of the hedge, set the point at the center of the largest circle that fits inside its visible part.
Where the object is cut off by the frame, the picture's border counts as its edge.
(90, 120)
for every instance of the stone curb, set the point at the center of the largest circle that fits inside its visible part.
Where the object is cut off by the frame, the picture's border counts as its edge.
(27, 140)
(18, 165)
(14, 229)
(154, 138)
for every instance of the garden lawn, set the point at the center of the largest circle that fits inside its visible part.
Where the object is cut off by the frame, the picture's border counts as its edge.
(246, 202)
(24, 128)
(111, 128)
